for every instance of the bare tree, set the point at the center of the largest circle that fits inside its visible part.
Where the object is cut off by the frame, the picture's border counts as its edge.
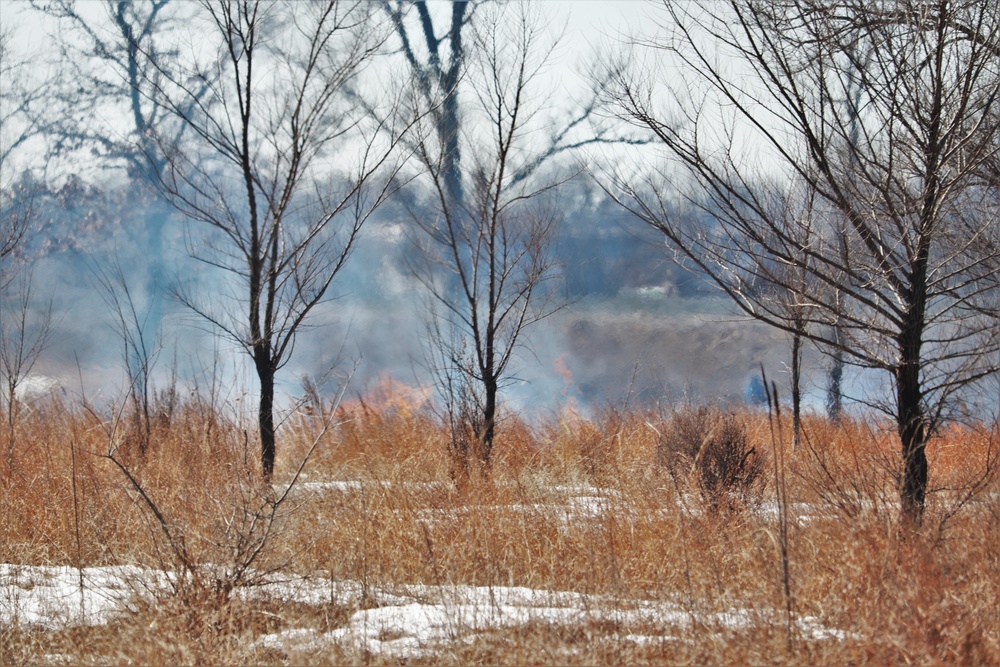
(905, 267)
(25, 330)
(852, 106)
(140, 345)
(450, 81)
(485, 258)
(275, 161)
(770, 281)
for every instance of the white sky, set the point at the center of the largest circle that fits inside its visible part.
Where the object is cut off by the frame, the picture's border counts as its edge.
(588, 22)
(589, 28)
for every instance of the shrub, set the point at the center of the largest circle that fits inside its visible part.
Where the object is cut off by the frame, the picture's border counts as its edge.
(710, 449)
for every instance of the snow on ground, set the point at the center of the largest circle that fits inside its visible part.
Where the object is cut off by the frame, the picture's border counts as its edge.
(421, 620)
(581, 503)
(53, 597)
(578, 503)
(355, 486)
(576, 509)
(404, 621)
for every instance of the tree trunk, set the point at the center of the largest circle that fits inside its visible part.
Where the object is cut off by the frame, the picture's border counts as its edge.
(796, 389)
(489, 425)
(834, 387)
(265, 419)
(12, 409)
(448, 130)
(912, 428)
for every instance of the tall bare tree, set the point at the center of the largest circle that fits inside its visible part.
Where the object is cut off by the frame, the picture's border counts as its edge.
(276, 161)
(485, 255)
(852, 106)
(906, 266)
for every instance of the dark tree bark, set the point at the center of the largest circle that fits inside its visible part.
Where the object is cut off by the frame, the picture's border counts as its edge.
(797, 388)
(265, 411)
(834, 390)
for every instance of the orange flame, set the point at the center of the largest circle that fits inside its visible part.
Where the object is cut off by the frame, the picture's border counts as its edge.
(568, 392)
(389, 395)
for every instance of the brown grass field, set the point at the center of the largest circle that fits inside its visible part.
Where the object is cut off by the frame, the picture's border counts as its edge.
(620, 555)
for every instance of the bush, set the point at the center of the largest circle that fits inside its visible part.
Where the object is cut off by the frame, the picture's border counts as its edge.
(710, 449)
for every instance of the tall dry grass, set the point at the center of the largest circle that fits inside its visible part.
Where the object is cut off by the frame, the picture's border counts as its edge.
(573, 504)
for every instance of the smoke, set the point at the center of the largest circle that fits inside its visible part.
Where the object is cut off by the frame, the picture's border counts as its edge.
(633, 325)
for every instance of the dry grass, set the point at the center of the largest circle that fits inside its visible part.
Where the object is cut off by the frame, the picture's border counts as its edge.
(574, 505)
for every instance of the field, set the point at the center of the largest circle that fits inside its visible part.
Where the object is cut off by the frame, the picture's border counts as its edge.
(592, 541)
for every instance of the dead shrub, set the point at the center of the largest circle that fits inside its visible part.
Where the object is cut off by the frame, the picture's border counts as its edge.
(711, 450)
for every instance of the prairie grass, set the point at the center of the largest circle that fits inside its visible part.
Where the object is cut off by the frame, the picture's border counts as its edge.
(656, 572)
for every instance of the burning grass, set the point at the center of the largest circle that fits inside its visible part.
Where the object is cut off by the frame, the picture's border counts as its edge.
(580, 549)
